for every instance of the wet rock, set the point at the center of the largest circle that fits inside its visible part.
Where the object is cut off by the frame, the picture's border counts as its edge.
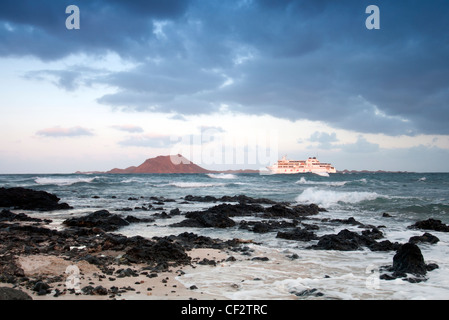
(189, 240)
(161, 251)
(13, 294)
(6, 215)
(385, 245)
(245, 199)
(350, 220)
(97, 291)
(206, 219)
(308, 293)
(307, 210)
(101, 219)
(27, 199)
(122, 273)
(279, 211)
(200, 198)
(236, 210)
(260, 227)
(9, 269)
(41, 288)
(425, 238)
(345, 240)
(175, 212)
(374, 233)
(161, 200)
(266, 225)
(430, 224)
(283, 211)
(132, 219)
(294, 256)
(297, 234)
(125, 209)
(239, 198)
(260, 259)
(208, 262)
(88, 290)
(408, 261)
(35, 230)
(93, 260)
(162, 215)
(100, 291)
(219, 216)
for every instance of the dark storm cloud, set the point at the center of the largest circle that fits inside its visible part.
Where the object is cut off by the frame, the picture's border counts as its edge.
(294, 59)
(38, 27)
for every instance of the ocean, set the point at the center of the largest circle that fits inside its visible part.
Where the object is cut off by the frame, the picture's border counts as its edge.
(406, 197)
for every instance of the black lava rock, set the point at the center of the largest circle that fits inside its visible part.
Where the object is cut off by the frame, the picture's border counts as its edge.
(101, 219)
(297, 234)
(13, 294)
(409, 259)
(27, 199)
(430, 224)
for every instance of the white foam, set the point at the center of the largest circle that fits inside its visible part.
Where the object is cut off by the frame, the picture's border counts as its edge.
(131, 180)
(326, 183)
(222, 176)
(330, 198)
(62, 181)
(195, 184)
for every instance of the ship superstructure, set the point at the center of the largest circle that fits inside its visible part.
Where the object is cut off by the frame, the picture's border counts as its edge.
(312, 165)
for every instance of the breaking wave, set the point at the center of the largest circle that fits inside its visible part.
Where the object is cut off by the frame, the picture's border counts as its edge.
(195, 184)
(329, 198)
(326, 183)
(304, 181)
(62, 181)
(222, 176)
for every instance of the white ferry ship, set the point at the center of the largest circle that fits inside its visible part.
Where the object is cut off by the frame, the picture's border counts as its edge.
(312, 165)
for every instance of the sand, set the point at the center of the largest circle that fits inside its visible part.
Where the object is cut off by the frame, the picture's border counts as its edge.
(164, 286)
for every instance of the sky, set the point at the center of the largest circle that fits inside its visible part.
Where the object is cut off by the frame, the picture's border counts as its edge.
(229, 84)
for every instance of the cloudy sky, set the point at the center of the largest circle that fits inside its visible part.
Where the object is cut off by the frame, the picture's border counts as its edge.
(229, 84)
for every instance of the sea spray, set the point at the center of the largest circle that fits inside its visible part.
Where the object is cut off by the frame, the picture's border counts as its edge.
(63, 181)
(330, 198)
(222, 176)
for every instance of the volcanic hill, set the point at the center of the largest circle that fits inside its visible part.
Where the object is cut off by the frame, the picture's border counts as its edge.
(164, 164)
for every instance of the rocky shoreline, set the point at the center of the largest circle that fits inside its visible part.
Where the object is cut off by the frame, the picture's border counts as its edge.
(89, 240)
(112, 255)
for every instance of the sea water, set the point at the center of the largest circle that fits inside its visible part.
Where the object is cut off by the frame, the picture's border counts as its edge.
(406, 197)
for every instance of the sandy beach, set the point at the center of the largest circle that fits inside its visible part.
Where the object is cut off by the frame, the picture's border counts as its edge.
(89, 282)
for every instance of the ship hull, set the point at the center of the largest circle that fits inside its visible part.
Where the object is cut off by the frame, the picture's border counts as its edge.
(296, 171)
